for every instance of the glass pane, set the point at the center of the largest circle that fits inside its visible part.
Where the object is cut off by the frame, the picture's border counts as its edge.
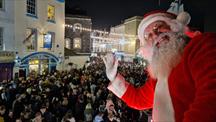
(68, 43)
(48, 41)
(77, 43)
(1, 38)
(33, 66)
(51, 12)
(31, 38)
(1, 3)
(31, 7)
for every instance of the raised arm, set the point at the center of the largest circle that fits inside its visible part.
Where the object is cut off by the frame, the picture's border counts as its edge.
(138, 98)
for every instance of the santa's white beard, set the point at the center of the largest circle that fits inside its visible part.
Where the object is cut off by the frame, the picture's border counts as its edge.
(166, 56)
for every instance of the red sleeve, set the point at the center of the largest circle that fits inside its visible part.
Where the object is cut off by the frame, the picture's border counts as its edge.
(140, 98)
(202, 66)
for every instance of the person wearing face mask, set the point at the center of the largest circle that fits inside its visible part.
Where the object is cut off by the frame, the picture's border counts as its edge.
(182, 68)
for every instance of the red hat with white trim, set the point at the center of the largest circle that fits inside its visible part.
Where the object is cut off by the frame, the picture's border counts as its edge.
(183, 18)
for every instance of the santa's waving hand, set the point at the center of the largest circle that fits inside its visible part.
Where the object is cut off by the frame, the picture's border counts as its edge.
(111, 64)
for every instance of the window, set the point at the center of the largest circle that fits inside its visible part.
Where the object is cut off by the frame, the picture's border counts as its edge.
(77, 27)
(1, 38)
(31, 39)
(31, 7)
(77, 43)
(51, 13)
(68, 43)
(1, 4)
(49, 40)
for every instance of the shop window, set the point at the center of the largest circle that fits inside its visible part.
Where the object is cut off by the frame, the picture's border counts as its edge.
(34, 66)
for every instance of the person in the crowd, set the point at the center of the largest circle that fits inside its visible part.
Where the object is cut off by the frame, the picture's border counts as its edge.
(100, 114)
(182, 82)
(68, 117)
(38, 117)
(110, 114)
(18, 106)
(88, 113)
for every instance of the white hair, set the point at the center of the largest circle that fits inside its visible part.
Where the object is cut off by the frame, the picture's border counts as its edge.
(167, 56)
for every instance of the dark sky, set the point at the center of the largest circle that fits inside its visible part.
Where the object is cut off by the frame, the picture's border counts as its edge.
(107, 13)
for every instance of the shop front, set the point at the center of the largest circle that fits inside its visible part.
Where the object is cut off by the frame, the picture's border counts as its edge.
(6, 65)
(38, 63)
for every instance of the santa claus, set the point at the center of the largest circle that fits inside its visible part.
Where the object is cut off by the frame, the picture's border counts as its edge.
(182, 83)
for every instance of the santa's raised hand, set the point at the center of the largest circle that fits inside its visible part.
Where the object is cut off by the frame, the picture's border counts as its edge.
(111, 64)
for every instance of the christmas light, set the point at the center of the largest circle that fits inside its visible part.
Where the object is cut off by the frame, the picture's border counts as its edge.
(99, 31)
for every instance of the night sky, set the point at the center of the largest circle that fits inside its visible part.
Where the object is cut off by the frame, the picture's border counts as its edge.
(107, 13)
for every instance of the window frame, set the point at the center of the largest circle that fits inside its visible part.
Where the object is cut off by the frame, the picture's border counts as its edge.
(80, 43)
(30, 9)
(68, 43)
(52, 43)
(3, 5)
(77, 25)
(1, 38)
(51, 20)
(33, 42)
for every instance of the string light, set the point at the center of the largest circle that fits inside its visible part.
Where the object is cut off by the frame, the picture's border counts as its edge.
(99, 31)
(104, 38)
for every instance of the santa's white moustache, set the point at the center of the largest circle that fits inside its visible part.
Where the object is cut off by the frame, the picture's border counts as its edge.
(167, 55)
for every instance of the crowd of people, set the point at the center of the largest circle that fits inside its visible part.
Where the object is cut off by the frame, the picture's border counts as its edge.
(68, 96)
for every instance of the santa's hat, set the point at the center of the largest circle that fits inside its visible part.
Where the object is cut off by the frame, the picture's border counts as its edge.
(183, 18)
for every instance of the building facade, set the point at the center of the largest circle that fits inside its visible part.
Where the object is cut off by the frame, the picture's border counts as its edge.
(77, 34)
(77, 40)
(7, 44)
(101, 43)
(124, 36)
(34, 31)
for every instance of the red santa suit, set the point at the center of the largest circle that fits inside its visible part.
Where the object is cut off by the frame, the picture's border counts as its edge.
(191, 84)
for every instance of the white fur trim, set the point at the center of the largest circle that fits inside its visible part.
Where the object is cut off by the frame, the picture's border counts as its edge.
(163, 108)
(175, 25)
(118, 86)
(184, 18)
(148, 20)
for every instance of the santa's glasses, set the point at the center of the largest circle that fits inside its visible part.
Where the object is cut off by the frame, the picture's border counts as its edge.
(155, 29)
